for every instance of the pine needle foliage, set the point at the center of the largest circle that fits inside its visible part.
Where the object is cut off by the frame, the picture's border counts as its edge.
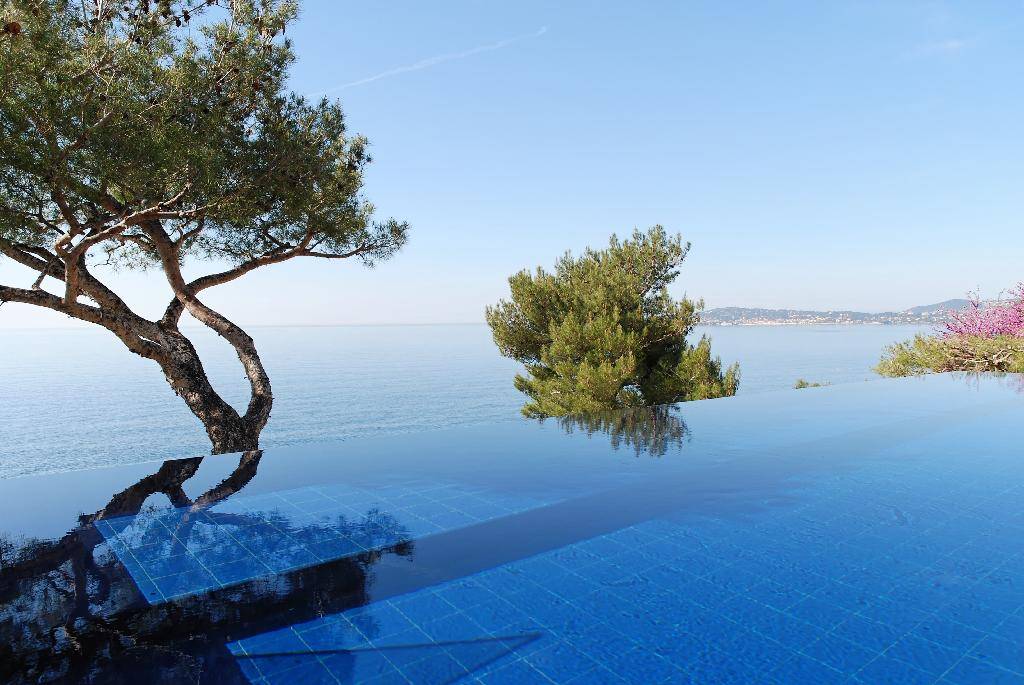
(602, 332)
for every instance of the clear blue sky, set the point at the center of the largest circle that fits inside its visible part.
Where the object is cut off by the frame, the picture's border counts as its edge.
(862, 155)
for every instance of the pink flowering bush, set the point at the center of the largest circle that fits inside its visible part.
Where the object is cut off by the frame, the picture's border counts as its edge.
(1005, 317)
(981, 337)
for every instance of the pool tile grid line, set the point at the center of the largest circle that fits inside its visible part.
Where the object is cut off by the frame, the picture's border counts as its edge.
(621, 638)
(896, 640)
(402, 497)
(968, 651)
(885, 657)
(858, 533)
(413, 503)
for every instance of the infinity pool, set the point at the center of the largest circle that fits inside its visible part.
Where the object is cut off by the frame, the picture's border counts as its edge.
(869, 533)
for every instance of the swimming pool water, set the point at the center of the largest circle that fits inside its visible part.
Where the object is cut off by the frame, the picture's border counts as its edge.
(860, 534)
(189, 550)
(845, 587)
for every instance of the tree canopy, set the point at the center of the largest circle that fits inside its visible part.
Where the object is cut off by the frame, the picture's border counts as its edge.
(131, 112)
(602, 331)
(144, 133)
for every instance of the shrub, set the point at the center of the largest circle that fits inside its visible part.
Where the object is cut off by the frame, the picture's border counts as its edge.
(601, 332)
(938, 353)
(980, 337)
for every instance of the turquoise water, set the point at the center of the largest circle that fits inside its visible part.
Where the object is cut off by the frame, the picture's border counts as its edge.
(74, 398)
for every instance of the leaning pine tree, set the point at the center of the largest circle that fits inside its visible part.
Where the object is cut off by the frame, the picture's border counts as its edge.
(159, 134)
(602, 331)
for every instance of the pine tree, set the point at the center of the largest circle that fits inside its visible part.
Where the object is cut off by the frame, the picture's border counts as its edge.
(602, 331)
(153, 135)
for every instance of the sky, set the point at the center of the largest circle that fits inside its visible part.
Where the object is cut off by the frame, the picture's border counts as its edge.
(842, 155)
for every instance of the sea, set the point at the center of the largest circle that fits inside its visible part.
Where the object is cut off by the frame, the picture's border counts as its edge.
(76, 398)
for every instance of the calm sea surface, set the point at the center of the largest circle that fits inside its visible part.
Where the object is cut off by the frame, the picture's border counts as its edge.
(75, 398)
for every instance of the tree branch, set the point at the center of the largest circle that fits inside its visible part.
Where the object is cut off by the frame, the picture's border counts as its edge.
(176, 307)
(261, 397)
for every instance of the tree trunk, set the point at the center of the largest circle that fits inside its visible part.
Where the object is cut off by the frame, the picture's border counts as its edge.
(227, 429)
(161, 341)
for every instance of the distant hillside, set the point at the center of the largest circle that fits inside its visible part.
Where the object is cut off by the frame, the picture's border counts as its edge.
(948, 305)
(754, 316)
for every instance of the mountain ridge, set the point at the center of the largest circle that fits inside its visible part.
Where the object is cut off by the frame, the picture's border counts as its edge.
(759, 316)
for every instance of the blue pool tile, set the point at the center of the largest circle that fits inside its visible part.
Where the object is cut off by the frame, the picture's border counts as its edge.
(785, 629)
(150, 553)
(900, 617)
(294, 529)
(248, 667)
(973, 613)
(803, 670)
(948, 633)
(273, 653)
(1010, 628)
(842, 655)
(924, 654)
(734, 578)
(239, 571)
(378, 621)
(886, 670)
(424, 606)
(775, 595)
(333, 635)
(871, 635)
(389, 678)
(1007, 654)
(495, 614)
(359, 666)
(452, 628)
(224, 551)
(849, 597)
(290, 558)
(173, 565)
(639, 665)
(184, 584)
(752, 649)
(519, 672)
(715, 667)
(149, 591)
(560, 661)
(486, 654)
(439, 667)
(407, 648)
(597, 676)
(820, 613)
(310, 672)
(604, 547)
(971, 671)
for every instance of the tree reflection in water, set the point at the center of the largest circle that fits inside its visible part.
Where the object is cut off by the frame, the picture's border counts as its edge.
(69, 611)
(645, 430)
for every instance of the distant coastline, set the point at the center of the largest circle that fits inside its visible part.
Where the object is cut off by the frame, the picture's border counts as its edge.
(753, 316)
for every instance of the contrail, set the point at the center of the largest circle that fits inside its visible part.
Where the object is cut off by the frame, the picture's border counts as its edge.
(434, 61)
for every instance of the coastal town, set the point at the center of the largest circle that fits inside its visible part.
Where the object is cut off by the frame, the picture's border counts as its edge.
(753, 316)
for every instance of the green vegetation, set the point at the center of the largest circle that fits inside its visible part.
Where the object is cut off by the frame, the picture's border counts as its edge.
(602, 332)
(801, 383)
(983, 336)
(644, 430)
(927, 354)
(159, 136)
